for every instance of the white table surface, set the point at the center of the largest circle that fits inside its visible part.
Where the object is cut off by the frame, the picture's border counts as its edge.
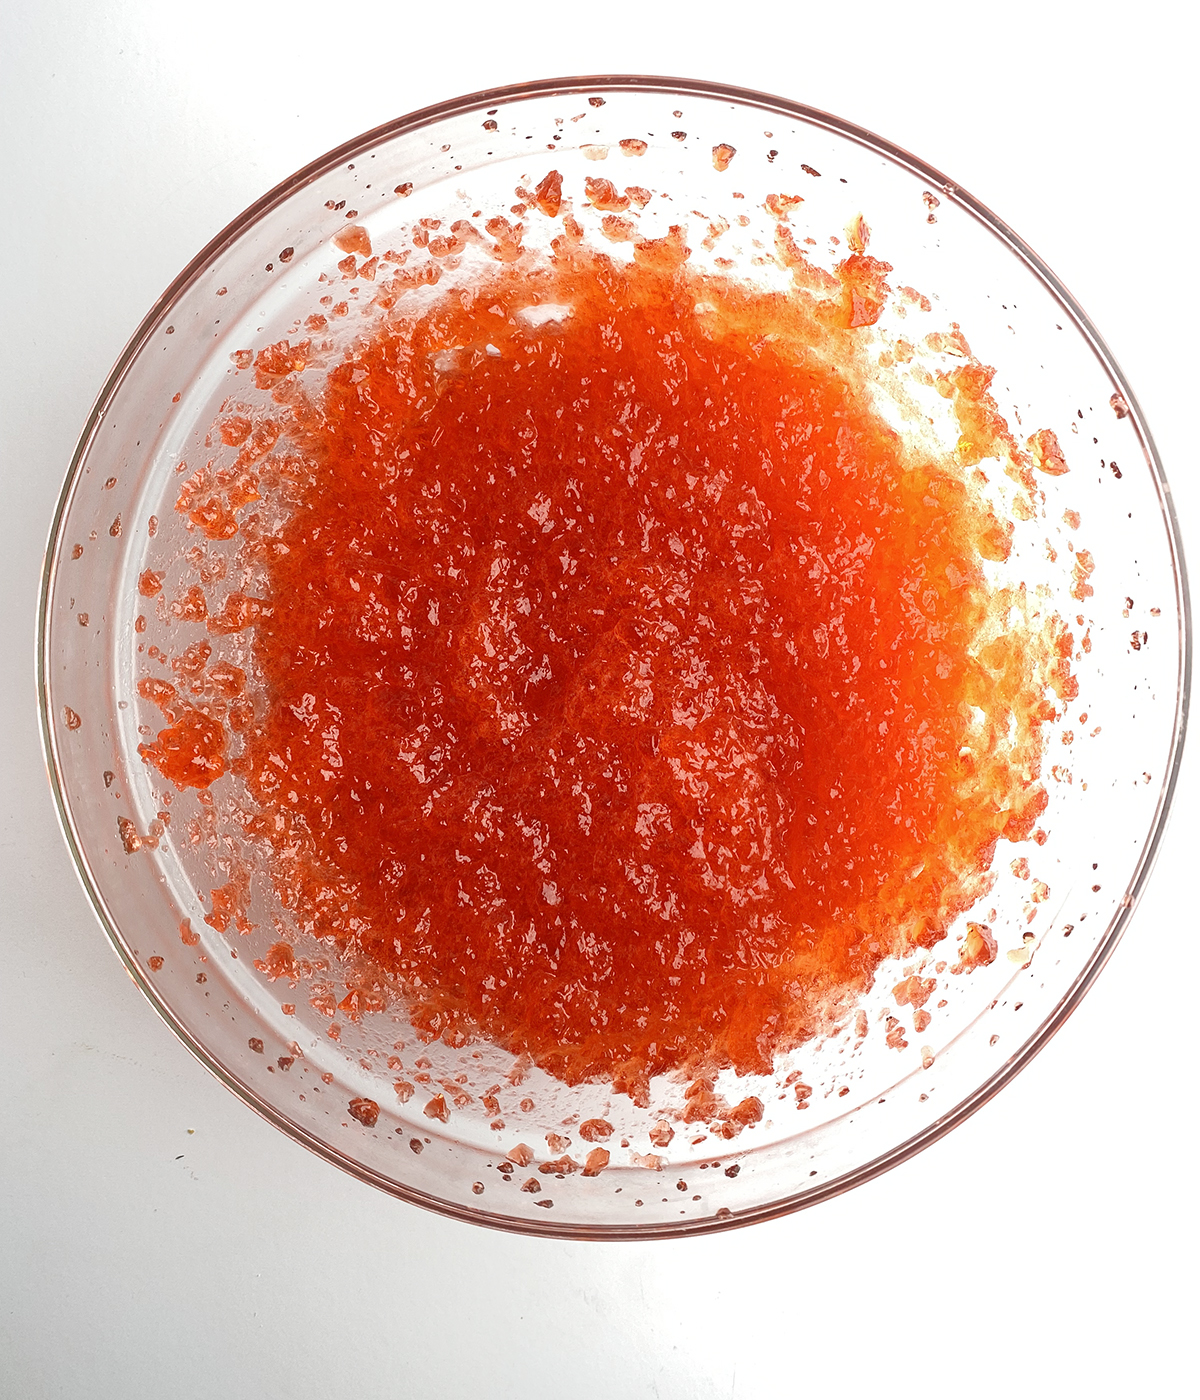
(156, 1238)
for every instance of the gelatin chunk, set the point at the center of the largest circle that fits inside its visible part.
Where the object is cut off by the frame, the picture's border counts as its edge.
(191, 750)
(629, 688)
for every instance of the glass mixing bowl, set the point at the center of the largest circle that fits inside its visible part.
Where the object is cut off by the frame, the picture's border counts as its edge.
(709, 153)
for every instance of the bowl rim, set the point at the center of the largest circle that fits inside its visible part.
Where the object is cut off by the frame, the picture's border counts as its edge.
(585, 85)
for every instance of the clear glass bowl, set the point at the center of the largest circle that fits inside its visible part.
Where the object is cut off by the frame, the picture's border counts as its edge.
(873, 1105)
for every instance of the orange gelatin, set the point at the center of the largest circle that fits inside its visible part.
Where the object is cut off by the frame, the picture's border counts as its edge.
(627, 689)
